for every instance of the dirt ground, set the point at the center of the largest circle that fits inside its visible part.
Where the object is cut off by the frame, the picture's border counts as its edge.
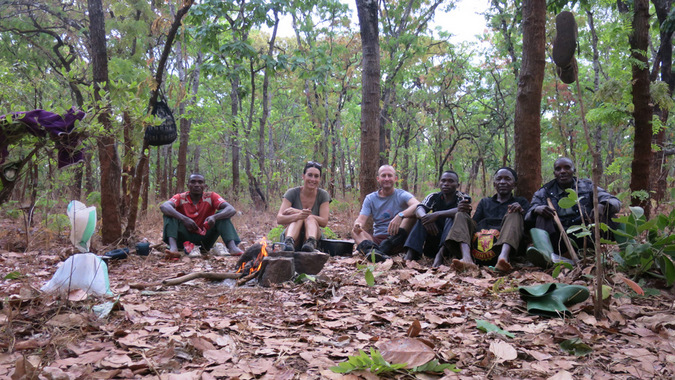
(214, 330)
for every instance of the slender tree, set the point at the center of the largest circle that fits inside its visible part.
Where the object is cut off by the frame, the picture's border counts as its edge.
(370, 93)
(643, 109)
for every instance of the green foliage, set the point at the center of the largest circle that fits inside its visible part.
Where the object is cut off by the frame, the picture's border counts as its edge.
(645, 243)
(576, 347)
(435, 367)
(374, 363)
(275, 233)
(304, 277)
(57, 223)
(486, 326)
(559, 266)
(11, 209)
(94, 199)
(14, 275)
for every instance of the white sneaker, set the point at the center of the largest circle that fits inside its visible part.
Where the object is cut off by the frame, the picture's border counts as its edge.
(219, 250)
(195, 252)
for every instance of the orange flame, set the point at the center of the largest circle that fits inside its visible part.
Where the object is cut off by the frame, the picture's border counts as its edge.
(257, 262)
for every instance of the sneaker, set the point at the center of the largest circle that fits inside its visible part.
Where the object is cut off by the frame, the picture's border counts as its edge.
(391, 243)
(219, 250)
(309, 246)
(565, 42)
(289, 245)
(196, 252)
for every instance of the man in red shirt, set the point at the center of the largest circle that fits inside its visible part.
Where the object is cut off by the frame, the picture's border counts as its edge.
(200, 218)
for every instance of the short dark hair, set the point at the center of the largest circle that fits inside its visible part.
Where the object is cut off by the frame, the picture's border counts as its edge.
(312, 164)
(513, 172)
(450, 172)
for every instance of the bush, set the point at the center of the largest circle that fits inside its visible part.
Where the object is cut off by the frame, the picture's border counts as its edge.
(644, 243)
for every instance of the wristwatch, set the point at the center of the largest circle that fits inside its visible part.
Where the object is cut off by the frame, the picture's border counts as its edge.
(400, 215)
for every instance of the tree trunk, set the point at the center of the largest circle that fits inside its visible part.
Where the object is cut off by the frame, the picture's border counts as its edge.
(643, 111)
(527, 130)
(111, 223)
(370, 95)
(659, 167)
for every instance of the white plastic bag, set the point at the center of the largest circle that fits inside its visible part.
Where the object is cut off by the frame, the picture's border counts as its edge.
(84, 271)
(82, 224)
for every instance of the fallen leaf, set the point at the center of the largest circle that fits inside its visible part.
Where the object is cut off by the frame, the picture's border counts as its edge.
(636, 288)
(562, 375)
(414, 329)
(405, 350)
(503, 351)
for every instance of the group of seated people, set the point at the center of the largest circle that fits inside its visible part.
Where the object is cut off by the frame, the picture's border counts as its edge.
(440, 227)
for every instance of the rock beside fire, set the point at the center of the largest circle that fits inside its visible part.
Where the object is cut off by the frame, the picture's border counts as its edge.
(310, 262)
(275, 270)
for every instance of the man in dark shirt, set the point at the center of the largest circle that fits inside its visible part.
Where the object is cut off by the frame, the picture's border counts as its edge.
(540, 214)
(499, 217)
(432, 214)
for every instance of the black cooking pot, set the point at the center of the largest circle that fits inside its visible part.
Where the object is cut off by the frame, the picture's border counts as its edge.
(337, 247)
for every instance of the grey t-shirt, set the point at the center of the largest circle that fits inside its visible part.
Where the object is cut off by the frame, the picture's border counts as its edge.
(383, 209)
(293, 196)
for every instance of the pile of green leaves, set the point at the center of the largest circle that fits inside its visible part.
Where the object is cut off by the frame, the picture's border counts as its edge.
(645, 244)
(376, 364)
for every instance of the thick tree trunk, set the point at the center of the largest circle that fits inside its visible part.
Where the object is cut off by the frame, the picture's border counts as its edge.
(111, 224)
(643, 111)
(527, 129)
(370, 94)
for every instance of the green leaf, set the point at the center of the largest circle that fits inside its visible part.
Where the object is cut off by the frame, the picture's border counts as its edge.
(303, 277)
(666, 266)
(370, 279)
(576, 347)
(637, 211)
(606, 291)
(435, 366)
(486, 326)
(566, 203)
(13, 275)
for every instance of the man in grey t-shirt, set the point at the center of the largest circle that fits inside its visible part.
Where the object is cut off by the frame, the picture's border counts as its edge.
(393, 213)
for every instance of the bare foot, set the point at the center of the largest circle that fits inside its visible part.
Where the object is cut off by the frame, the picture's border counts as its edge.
(171, 255)
(461, 266)
(503, 266)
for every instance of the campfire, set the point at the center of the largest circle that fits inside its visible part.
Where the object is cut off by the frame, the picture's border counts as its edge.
(248, 266)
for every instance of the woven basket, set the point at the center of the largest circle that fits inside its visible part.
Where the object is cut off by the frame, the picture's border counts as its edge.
(165, 133)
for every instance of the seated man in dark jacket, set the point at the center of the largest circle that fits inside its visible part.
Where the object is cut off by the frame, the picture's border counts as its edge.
(432, 214)
(540, 214)
(499, 218)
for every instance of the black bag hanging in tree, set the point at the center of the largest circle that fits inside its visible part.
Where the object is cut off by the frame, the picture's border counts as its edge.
(165, 133)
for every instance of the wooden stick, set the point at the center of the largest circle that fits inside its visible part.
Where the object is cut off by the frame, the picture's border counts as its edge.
(207, 275)
(247, 278)
(563, 233)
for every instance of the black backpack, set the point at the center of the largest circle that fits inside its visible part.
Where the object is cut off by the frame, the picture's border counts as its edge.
(165, 133)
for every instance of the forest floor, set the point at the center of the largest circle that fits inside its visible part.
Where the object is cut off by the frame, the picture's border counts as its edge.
(212, 330)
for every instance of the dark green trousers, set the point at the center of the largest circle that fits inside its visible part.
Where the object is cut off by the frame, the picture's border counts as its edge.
(176, 229)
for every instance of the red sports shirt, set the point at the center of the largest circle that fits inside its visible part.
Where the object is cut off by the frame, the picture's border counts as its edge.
(207, 206)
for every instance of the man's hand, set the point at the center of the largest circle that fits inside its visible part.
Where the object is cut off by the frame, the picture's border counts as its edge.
(190, 225)
(394, 225)
(545, 211)
(429, 223)
(514, 207)
(209, 222)
(357, 229)
(464, 206)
